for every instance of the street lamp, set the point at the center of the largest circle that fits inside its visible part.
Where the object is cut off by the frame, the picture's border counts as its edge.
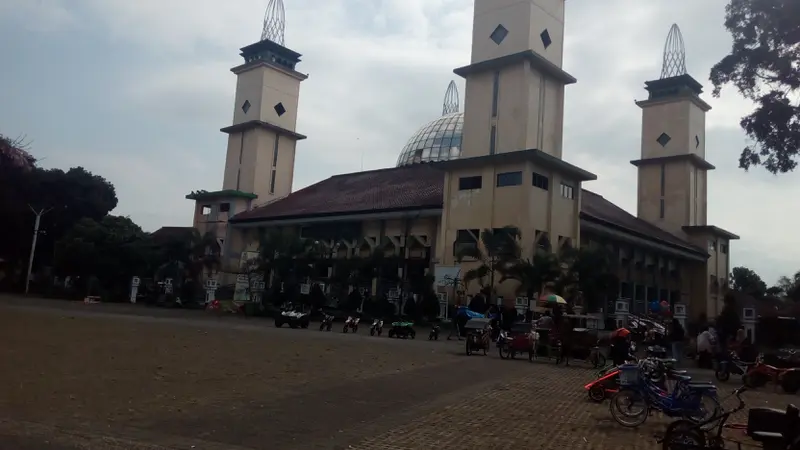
(36, 224)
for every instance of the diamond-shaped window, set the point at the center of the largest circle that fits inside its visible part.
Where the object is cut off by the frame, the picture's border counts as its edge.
(246, 106)
(546, 40)
(499, 34)
(280, 109)
(696, 141)
(663, 139)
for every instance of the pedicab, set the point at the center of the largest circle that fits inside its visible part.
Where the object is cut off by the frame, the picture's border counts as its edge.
(518, 339)
(479, 331)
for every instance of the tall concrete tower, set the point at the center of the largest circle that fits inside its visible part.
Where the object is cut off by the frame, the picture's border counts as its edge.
(673, 171)
(515, 83)
(259, 166)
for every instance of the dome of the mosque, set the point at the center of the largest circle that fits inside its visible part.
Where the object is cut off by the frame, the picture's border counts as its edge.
(439, 139)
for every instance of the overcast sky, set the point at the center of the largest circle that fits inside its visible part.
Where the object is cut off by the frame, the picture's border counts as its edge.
(137, 91)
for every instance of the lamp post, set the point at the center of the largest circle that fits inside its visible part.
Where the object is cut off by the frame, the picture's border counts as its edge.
(36, 224)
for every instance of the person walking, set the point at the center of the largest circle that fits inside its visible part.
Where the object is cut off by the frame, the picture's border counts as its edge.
(676, 336)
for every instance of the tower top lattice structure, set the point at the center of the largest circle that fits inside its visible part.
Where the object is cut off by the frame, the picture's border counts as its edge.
(451, 103)
(274, 22)
(674, 59)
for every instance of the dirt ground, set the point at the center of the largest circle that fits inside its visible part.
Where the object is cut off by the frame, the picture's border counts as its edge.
(78, 376)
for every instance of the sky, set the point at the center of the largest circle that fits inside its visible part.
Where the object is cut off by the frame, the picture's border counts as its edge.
(136, 91)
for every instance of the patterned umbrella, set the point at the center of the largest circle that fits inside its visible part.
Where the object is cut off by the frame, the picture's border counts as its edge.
(554, 299)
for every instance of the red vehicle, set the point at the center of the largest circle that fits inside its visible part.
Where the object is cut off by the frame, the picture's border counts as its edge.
(517, 340)
(760, 374)
(606, 384)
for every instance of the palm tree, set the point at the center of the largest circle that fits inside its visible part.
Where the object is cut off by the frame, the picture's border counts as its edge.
(532, 273)
(496, 247)
(285, 257)
(590, 272)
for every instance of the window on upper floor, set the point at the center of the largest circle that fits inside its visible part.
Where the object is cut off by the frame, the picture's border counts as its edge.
(469, 183)
(509, 179)
(224, 207)
(567, 191)
(723, 248)
(205, 210)
(466, 242)
(540, 181)
(712, 245)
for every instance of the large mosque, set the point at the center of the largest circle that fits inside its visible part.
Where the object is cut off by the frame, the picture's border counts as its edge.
(497, 163)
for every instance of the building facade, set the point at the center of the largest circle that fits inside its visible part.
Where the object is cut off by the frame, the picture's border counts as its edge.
(507, 169)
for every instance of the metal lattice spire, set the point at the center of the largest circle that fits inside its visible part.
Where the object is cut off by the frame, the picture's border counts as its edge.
(274, 22)
(674, 54)
(450, 99)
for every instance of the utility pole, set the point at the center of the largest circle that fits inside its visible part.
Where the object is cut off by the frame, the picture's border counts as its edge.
(36, 224)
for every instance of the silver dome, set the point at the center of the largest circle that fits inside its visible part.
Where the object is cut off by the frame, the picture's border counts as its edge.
(439, 140)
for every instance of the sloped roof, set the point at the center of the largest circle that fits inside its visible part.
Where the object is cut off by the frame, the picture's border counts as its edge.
(596, 207)
(416, 186)
(420, 186)
(168, 233)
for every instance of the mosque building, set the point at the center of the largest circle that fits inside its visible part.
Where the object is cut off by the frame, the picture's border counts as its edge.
(497, 163)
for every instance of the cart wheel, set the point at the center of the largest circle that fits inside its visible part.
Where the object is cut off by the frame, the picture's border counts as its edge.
(505, 352)
(469, 349)
(513, 354)
(791, 382)
(413, 334)
(530, 355)
(597, 393)
(599, 360)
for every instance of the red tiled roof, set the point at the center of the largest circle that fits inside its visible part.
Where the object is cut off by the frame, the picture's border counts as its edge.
(595, 206)
(417, 186)
(420, 186)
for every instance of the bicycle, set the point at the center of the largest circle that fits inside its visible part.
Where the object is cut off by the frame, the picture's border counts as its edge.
(688, 435)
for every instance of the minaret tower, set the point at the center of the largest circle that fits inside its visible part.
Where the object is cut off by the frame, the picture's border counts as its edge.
(259, 166)
(672, 168)
(673, 172)
(514, 96)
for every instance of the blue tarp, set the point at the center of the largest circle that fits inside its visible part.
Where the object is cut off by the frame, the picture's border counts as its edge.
(464, 311)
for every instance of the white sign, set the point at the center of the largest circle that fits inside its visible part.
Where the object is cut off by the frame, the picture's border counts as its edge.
(135, 282)
(393, 294)
(168, 282)
(305, 288)
(212, 284)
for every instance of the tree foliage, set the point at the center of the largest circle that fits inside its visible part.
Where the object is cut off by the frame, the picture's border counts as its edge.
(748, 282)
(789, 287)
(68, 197)
(764, 66)
(590, 274)
(496, 247)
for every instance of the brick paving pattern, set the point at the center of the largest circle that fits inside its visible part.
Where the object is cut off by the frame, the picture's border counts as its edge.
(111, 377)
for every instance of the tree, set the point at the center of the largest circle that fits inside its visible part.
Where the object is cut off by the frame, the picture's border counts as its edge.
(495, 248)
(111, 250)
(286, 258)
(764, 66)
(748, 282)
(789, 287)
(590, 272)
(531, 273)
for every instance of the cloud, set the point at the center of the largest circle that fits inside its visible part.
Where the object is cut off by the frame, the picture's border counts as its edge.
(156, 75)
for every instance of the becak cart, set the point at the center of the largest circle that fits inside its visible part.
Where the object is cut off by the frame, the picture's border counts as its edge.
(479, 335)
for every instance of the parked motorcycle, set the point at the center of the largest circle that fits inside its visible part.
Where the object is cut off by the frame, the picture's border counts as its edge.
(376, 328)
(351, 324)
(327, 323)
(434, 334)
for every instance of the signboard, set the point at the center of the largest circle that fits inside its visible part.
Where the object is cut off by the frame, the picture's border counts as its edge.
(135, 282)
(305, 289)
(212, 284)
(393, 294)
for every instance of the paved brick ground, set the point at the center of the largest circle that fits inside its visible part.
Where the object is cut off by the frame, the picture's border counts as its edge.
(113, 377)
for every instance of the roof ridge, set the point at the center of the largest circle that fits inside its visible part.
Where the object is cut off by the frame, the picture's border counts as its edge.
(386, 169)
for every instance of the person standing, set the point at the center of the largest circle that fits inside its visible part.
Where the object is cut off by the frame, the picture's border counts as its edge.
(676, 336)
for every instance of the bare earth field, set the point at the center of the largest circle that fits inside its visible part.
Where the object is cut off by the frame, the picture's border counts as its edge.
(105, 377)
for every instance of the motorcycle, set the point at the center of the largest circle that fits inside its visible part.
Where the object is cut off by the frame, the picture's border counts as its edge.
(351, 324)
(377, 328)
(434, 334)
(327, 323)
